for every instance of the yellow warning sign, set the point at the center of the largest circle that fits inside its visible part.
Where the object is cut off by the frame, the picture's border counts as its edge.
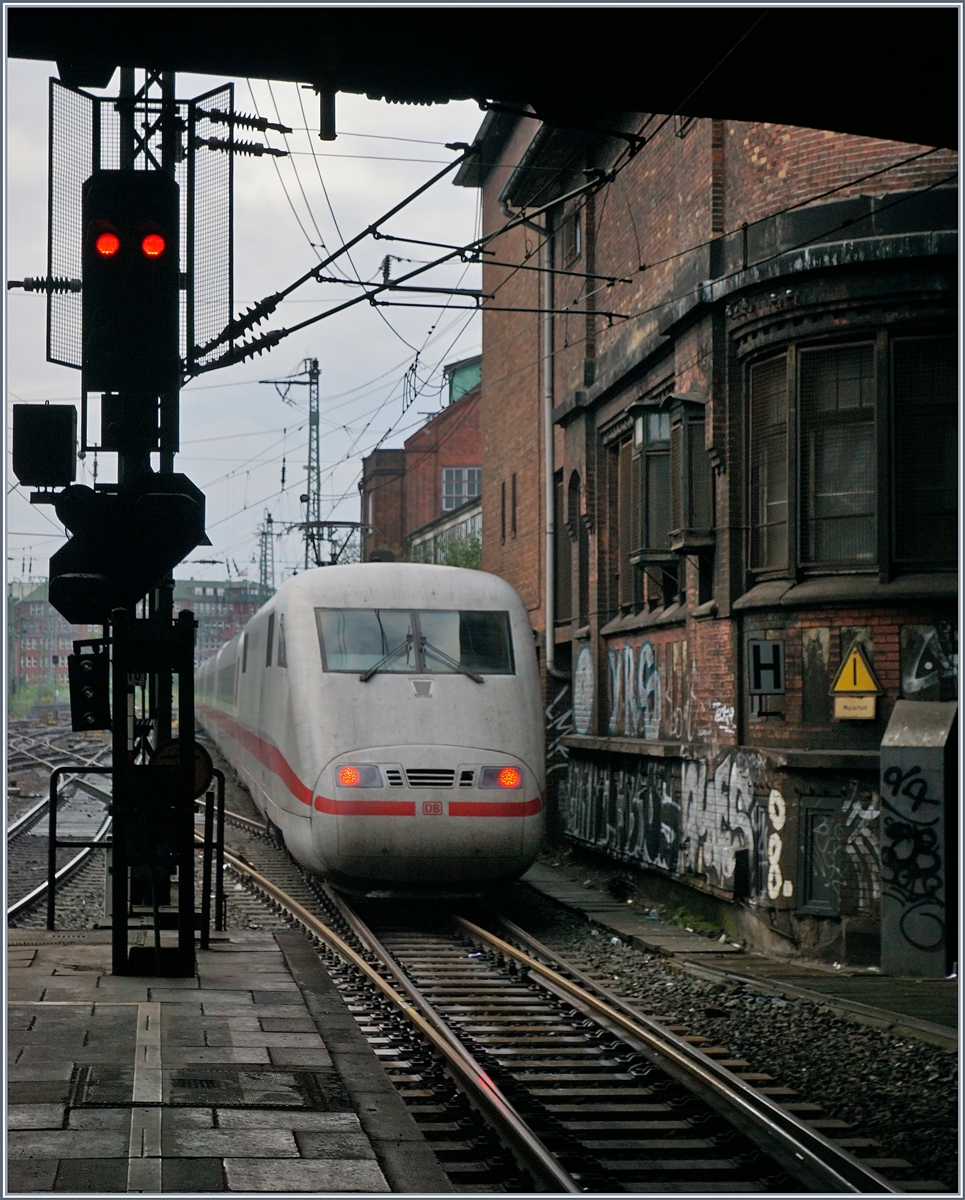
(855, 675)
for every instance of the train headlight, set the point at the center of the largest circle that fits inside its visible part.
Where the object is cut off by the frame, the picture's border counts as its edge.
(358, 776)
(500, 777)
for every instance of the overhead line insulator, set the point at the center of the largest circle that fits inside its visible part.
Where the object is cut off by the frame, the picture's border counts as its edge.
(235, 147)
(260, 123)
(44, 284)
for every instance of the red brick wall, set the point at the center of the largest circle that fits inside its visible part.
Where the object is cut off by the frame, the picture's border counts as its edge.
(451, 439)
(383, 501)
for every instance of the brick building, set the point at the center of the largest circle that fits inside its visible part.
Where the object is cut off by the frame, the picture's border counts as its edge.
(749, 379)
(222, 608)
(419, 500)
(39, 639)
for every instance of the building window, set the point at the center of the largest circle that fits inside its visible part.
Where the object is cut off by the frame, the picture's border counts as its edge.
(925, 473)
(460, 484)
(768, 421)
(512, 522)
(502, 511)
(851, 400)
(572, 236)
(838, 467)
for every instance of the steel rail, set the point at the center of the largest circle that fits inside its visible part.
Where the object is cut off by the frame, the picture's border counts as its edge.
(26, 819)
(833, 1167)
(63, 874)
(463, 1066)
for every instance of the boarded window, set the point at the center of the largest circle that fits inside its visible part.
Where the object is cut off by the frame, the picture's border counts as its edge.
(925, 450)
(768, 417)
(838, 464)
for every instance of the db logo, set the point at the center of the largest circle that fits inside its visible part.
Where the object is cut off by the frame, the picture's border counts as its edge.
(432, 808)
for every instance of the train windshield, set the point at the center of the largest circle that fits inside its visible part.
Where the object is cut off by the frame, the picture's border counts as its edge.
(358, 639)
(436, 641)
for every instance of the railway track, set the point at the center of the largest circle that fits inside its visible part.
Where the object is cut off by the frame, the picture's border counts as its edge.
(81, 815)
(526, 1074)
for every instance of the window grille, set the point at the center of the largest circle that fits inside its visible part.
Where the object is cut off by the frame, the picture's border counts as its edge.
(768, 416)
(838, 467)
(460, 484)
(925, 450)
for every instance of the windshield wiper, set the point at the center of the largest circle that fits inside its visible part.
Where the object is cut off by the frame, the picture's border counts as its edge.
(387, 658)
(457, 666)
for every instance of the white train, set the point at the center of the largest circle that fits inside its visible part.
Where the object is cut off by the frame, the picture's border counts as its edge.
(386, 717)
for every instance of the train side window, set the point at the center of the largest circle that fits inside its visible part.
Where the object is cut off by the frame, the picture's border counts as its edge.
(282, 654)
(271, 639)
(244, 653)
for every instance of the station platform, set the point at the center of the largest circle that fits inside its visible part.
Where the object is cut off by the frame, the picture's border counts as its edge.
(923, 1008)
(250, 1077)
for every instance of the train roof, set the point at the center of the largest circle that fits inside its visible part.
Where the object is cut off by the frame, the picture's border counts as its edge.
(396, 585)
(390, 585)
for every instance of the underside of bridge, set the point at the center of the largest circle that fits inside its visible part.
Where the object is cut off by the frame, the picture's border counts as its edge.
(886, 72)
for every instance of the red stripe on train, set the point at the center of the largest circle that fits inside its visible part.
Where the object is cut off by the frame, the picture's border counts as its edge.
(271, 757)
(366, 808)
(491, 808)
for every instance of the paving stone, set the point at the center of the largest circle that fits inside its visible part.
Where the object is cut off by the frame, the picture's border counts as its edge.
(38, 1091)
(278, 997)
(303, 1175)
(287, 1024)
(55, 984)
(68, 993)
(43, 1072)
(194, 1175)
(19, 1020)
(187, 1118)
(31, 1175)
(67, 1143)
(182, 1011)
(312, 1056)
(91, 1175)
(273, 1118)
(261, 1038)
(204, 996)
(229, 1143)
(24, 993)
(330, 1144)
(269, 985)
(100, 1118)
(185, 1055)
(35, 1116)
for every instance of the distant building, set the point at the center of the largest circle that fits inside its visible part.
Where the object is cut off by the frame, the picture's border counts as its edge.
(222, 608)
(417, 502)
(38, 638)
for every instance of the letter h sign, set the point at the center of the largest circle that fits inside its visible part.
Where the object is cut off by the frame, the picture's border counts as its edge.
(765, 667)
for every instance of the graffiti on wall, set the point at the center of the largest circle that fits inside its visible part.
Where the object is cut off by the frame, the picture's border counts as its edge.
(630, 812)
(929, 662)
(723, 814)
(559, 722)
(860, 817)
(912, 867)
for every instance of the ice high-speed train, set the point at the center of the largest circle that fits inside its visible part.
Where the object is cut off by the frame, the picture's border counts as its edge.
(386, 717)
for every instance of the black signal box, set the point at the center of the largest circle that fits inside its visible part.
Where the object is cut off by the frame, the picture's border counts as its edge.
(45, 444)
(89, 676)
(131, 282)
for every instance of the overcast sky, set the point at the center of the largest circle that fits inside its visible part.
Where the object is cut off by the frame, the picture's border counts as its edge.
(235, 432)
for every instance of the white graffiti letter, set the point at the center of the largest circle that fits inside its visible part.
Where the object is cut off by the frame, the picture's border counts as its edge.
(774, 877)
(776, 809)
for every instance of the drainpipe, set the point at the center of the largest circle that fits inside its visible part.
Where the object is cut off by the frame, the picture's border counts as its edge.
(549, 500)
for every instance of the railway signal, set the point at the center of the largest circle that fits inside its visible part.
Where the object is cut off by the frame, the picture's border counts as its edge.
(131, 282)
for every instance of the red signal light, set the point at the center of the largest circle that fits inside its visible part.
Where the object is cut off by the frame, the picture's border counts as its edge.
(348, 776)
(509, 777)
(153, 245)
(107, 244)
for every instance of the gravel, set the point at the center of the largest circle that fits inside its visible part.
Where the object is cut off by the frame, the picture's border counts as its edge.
(896, 1090)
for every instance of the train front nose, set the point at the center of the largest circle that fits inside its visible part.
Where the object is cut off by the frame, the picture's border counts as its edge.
(424, 816)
